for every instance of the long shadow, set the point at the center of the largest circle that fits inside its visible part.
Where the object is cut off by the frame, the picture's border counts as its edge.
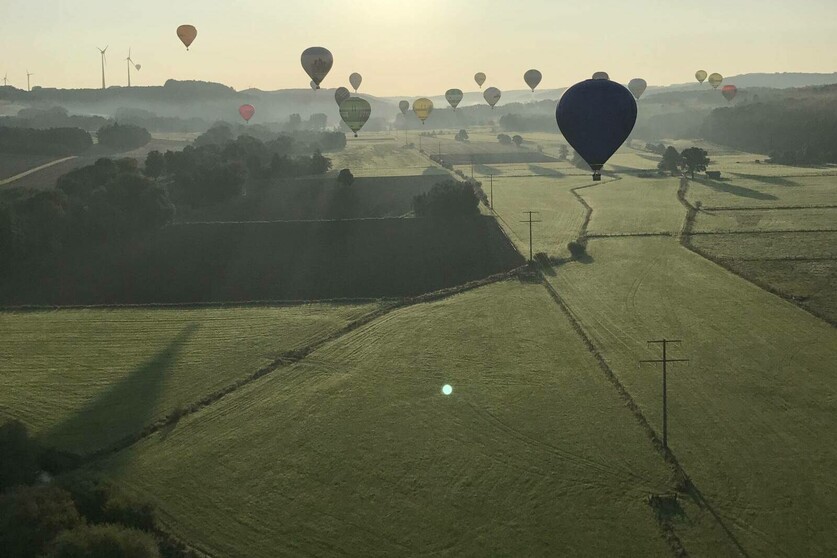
(546, 171)
(126, 407)
(774, 180)
(485, 169)
(735, 190)
(434, 171)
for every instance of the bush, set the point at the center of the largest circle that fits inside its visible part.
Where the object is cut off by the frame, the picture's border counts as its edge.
(577, 249)
(31, 517)
(345, 178)
(123, 136)
(55, 141)
(504, 139)
(447, 199)
(18, 455)
(104, 541)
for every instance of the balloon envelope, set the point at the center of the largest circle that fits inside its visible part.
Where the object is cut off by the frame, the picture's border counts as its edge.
(138, 66)
(355, 112)
(317, 62)
(637, 87)
(596, 117)
(715, 80)
(700, 75)
(532, 78)
(404, 106)
(479, 77)
(491, 96)
(601, 75)
(247, 112)
(341, 94)
(729, 92)
(422, 107)
(354, 80)
(454, 96)
(187, 34)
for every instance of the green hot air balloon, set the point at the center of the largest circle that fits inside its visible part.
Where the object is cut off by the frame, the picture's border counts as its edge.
(355, 112)
(492, 95)
(404, 106)
(454, 96)
(317, 63)
(637, 87)
(532, 79)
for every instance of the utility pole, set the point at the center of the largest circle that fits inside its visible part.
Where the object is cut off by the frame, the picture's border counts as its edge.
(530, 221)
(665, 360)
(472, 167)
(491, 198)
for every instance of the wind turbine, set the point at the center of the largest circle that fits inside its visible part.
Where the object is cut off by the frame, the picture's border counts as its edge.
(102, 52)
(6, 79)
(131, 63)
(28, 75)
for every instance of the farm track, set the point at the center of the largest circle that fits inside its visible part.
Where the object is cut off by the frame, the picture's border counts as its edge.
(24, 174)
(288, 358)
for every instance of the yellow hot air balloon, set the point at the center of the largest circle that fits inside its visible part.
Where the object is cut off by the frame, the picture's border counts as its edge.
(715, 80)
(187, 34)
(700, 75)
(422, 107)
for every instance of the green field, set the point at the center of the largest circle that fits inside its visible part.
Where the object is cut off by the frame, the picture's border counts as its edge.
(383, 155)
(84, 379)
(773, 220)
(775, 245)
(750, 411)
(356, 451)
(12, 164)
(634, 205)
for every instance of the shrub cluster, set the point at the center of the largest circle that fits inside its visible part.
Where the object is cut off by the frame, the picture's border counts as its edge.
(54, 141)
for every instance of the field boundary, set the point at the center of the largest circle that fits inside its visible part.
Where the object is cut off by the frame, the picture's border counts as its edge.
(783, 231)
(288, 358)
(771, 208)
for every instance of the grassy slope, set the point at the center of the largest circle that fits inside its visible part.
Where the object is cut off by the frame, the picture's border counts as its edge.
(633, 205)
(750, 412)
(81, 379)
(355, 451)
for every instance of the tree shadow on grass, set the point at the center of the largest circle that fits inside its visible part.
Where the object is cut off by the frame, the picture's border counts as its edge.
(434, 171)
(546, 171)
(735, 190)
(125, 408)
(486, 169)
(773, 180)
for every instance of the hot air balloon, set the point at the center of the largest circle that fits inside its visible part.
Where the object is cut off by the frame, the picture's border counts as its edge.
(601, 75)
(355, 112)
(596, 117)
(404, 106)
(637, 87)
(715, 80)
(422, 107)
(454, 96)
(532, 79)
(729, 92)
(700, 75)
(247, 112)
(317, 62)
(138, 66)
(341, 94)
(492, 95)
(187, 34)
(354, 80)
(479, 77)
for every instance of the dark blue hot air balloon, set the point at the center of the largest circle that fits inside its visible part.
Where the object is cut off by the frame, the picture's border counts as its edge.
(596, 116)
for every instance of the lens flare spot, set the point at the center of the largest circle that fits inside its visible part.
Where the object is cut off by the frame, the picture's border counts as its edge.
(447, 389)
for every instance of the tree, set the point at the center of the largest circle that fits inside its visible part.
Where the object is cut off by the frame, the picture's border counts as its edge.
(31, 517)
(447, 199)
(518, 140)
(155, 164)
(319, 163)
(671, 160)
(695, 159)
(18, 455)
(563, 152)
(104, 541)
(294, 122)
(318, 121)
(345, 178)
(505, 139)
(123, 136)
(462, 135)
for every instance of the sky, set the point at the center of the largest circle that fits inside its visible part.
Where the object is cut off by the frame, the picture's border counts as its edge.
(420, 47)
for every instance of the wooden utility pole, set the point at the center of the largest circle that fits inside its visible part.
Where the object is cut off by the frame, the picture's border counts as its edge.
(491, 198)
(530, 221)
(665, 360)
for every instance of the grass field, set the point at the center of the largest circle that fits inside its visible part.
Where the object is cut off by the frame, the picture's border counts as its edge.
(379, 155)
(83, 379)
(12, 164)
(634, 205)
(773, 220)
(356, 451)
(750, 411)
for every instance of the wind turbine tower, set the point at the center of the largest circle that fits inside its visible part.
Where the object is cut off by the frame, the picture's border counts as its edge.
(6, 79)
(102, 52)
(131, 63)
(28, 75)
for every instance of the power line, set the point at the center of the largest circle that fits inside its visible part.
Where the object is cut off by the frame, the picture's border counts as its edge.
(665, 360)
(530, 221)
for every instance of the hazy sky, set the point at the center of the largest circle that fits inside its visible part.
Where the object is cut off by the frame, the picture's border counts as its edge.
(416, 47)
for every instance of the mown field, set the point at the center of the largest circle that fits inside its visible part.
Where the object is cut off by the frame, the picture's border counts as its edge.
(84, 379)
(633, 205)
(356, 451)
(236, 262)
(383, 155)
(749, 412)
